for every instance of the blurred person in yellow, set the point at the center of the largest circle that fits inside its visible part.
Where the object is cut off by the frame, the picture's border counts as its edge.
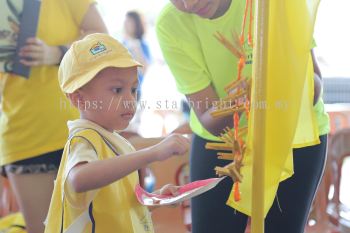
(202, 68)
(94, 189)
(34, 111)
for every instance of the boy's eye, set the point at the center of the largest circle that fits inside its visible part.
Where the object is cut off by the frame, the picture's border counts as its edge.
(117, 90)
(134, 90)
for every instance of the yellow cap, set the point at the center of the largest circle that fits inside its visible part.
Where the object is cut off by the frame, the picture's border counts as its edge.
(88, 56)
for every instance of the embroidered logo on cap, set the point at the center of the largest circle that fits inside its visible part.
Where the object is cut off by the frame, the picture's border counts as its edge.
(98, 48)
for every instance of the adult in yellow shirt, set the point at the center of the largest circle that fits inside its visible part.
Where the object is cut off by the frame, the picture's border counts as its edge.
(34, 112)
(202, 67)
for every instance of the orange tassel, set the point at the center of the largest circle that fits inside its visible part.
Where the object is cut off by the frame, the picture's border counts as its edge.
(244, 21)
(247, 106)
(235, 124)
(250, 37)
(241, 65)
(236, 193)
(234, 49)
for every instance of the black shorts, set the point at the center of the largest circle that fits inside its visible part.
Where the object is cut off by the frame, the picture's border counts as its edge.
(44, 163)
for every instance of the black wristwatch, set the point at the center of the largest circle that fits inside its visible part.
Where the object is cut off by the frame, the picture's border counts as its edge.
(63, 50)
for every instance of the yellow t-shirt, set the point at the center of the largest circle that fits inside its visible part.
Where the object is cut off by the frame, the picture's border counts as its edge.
(34, 110)
(197, 59)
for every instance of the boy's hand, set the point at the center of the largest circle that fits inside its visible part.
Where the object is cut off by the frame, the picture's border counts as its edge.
(168, 189)
(175, 144)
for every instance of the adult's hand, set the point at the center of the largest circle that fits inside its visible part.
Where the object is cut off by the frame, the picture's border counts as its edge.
(36, 53)
(203, 103)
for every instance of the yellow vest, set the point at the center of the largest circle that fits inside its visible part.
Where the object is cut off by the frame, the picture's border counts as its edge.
(13, 223)
(114, 208)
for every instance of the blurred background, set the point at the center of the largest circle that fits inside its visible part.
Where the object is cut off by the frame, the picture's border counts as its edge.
(331, 211)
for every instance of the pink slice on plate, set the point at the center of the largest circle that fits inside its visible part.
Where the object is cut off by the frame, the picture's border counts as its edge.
(186, 192)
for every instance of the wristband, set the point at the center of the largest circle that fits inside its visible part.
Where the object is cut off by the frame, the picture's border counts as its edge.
(63, 49)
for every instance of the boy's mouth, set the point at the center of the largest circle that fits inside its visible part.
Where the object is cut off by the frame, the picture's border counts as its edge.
(128, 115)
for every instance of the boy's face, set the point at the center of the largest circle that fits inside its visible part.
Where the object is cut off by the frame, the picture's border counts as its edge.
(203, 8)
(109, 98)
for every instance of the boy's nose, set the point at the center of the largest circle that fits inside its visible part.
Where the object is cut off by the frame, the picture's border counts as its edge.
(130, 97)
(189, 4)
(129, 101)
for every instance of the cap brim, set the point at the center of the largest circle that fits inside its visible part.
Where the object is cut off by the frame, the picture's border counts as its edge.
(85, 77)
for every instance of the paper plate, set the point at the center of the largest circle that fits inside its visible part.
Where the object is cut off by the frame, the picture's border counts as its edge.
(185, 192)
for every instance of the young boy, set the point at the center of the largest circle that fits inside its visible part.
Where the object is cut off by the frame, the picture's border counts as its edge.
(94, 189)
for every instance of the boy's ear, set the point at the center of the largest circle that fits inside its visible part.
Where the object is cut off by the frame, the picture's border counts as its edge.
(76, 99)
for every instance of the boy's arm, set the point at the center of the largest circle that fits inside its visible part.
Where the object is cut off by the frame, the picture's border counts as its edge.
(81, 151)
(96, 174)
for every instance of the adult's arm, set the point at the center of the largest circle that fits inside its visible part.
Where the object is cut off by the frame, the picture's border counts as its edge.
(203, 104)
(318, 84)
(186, 62)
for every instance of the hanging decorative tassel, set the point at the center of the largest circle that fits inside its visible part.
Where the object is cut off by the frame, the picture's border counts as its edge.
(237, 91)
(236, 192)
